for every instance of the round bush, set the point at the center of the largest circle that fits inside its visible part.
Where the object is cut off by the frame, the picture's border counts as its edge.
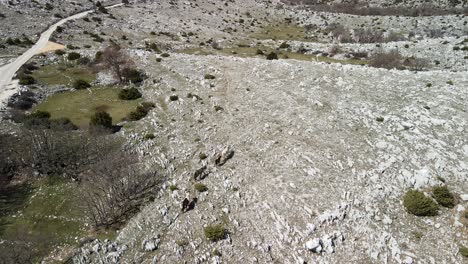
(81, 84)
(101, 119)
(209, 77)
(129, 94)
(418, 204)
(73, 56)
(215, 232)
(443, 196)
(272, 56)
(27, 80)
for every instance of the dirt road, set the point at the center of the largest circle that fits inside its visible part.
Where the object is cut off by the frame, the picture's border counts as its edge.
(7, 87)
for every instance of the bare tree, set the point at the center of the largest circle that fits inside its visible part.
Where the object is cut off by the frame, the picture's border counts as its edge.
(116, 187)
(115, 60)
(64, 153)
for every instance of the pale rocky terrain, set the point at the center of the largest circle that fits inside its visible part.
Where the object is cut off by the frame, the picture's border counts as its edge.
(320, 154)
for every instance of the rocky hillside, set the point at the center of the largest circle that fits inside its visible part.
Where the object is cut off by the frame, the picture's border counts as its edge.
(288, 135)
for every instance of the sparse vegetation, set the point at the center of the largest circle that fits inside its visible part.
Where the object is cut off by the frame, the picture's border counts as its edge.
(149, 136)
(200, 187)
(215, 232)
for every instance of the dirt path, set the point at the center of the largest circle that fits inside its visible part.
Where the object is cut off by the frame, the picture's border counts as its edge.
(51, 46)
(7, 87)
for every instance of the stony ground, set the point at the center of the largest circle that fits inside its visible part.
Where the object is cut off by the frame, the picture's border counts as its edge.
(321, 153)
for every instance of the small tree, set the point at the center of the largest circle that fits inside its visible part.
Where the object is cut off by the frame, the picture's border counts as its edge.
(101, 119)
(115, 60)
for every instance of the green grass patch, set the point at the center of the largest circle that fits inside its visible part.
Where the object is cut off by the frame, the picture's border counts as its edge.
(62, 74)
(80, 105)
(281, 32)
(45, 214)
(249, 52)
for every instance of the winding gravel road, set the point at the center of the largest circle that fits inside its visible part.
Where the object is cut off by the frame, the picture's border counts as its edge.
(8, 87)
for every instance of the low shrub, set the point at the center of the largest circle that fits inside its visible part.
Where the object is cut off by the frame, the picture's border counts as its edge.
(463, 251)
(387, 60)
(101, 119)
(149, 136)
(27, 80)
(37, 120)
(418, 204)
(59, 52)
(200, 187)
(24, 101)
(81, 84)
(73, 56)
(209, 77)
(62, 124)
(443, 196)
(131, 75)
(129, 94)
(40, 114)
(215, 232)
(173, 188)
(284, 45)
(141, 111)
(272, 56)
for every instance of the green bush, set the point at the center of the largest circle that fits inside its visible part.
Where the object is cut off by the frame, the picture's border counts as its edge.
(40, 114)
(209, 77)
(165, 55)
(59, 52)
(129, 94)
(27, 80)
(463, 251)
(101, 119)
(272, 56)
(200, 187)
(132, 75)
(73, 56)
(141, 111)
(149, 136)
(443, 196)
(81, 84)
(418, 204)
(215, 232)
(173, 188)
(284, 45)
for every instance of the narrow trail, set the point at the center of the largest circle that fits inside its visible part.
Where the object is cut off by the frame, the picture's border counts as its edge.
(8, 87)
